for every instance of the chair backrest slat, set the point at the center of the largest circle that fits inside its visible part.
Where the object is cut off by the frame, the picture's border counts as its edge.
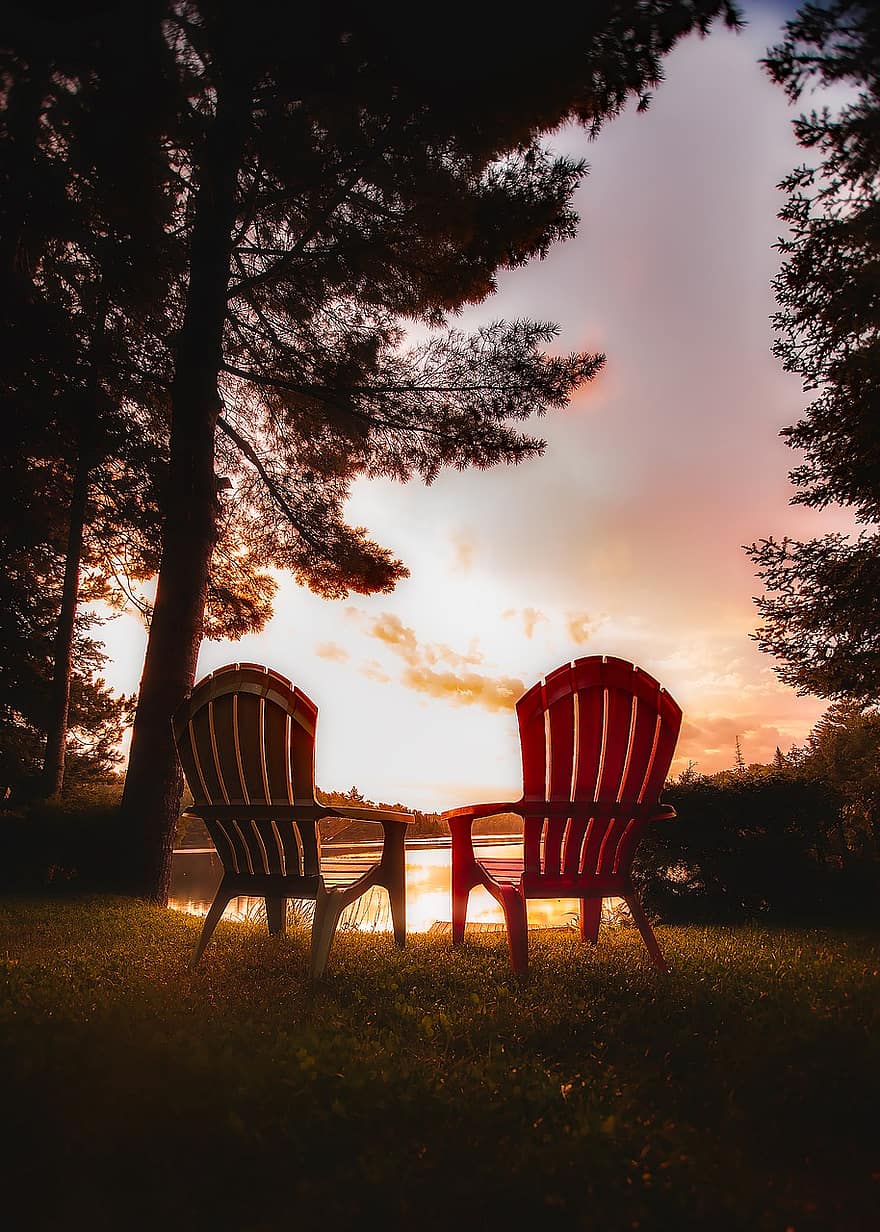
(596, 730)
(646, 722)
(246, 736)
(247, 727)
(591, 714)
(276, 753)
(302, 747)
(618, 716)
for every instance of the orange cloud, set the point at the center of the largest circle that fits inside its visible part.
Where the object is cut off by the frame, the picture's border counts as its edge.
(402, 640)
(710, 741)
(330, 650)
(452, 657)
(464, 550)
(373, 671)
(530, 617)
(465, 688)
(579, 627)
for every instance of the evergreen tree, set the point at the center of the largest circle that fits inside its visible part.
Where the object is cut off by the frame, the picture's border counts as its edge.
(843, 752)
(819, 611)
(91, 270)
(33, 512)
(82, 225)
(739, 761)
(336, 189)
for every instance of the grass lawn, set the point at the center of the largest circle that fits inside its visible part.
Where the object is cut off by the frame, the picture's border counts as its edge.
(427, 1089)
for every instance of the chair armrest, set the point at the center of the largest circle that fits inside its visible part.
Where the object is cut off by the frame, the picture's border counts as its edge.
(473, 811)
(460, 822)
(254, 812)
(566, 808)
(366, 814)
(664, 812)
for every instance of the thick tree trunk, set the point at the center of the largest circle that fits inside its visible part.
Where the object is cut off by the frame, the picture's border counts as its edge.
(153, 783)
(59, 694)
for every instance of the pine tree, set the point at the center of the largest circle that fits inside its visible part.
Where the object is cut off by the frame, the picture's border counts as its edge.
(335, 180)
(819, 611)
(739, 762)
(337, 189)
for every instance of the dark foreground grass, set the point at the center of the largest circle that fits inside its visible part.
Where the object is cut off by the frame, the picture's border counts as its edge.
(427, 1089)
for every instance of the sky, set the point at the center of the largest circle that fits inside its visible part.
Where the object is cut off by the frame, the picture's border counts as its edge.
(626, 537)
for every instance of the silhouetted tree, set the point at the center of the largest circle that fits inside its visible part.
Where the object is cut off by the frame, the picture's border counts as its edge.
(325, 188)
(33, 511)
(84, 214)
(92, 274)
(739, 761)
(843, 752)
(820, 610)
(336, 187)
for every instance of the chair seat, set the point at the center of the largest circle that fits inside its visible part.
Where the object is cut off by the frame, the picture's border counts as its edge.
(504, 870)
(340, 871)
(509, 871)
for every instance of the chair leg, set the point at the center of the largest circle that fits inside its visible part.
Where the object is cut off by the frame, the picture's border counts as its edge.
(461, 890)
(394, 878)
(641, 922)
(212, 919)
(517, 922)
(329, 906)
(276, 916)
(397, 898)
(589, 916)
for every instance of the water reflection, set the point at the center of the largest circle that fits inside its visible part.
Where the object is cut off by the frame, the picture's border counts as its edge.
(196, 873)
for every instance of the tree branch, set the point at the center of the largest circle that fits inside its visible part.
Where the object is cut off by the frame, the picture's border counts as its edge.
(257, 463)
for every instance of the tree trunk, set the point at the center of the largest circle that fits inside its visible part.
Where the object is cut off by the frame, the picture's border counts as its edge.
(59, 694)
(153, 782)
(87, 412)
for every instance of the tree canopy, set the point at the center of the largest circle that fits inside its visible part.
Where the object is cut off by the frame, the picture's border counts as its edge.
(330, 189)
(819, 612)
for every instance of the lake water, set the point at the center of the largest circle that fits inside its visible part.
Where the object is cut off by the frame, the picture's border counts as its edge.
(196, 873)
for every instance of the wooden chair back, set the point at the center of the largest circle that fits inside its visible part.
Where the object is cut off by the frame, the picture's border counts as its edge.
(246, 740)
(597, 738)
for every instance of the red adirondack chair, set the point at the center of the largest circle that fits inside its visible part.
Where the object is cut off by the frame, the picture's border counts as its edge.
(597, 738)
(246, 741)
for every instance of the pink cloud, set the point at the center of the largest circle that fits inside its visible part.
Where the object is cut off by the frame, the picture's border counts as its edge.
(710, 741)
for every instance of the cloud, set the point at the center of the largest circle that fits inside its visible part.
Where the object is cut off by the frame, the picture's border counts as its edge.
(402, 641)
(391, 630)
(580, 627)
(464, 550)
(452, 657)
(465, 688)
(331, 650)
(705, 737)
(372, 670)
(530, 617)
